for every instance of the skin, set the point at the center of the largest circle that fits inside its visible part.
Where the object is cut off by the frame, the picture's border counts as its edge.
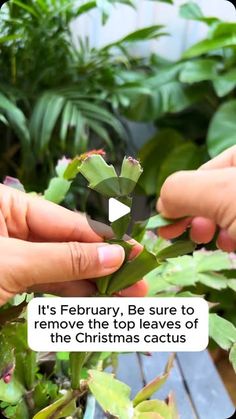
(207, 198)
(47, 248)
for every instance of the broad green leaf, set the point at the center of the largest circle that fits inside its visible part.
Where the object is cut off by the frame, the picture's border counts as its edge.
(152, 155)
(180, 248)
(223, 28)
(222, 331)
(72, 169)
(199, 70)
(57, 190)
(232, 356)
(223, 86)
(111, 394)
(213, 261)
(222, 130)
(187, 156)
(65, 406)
(191, 10)
(151, 388)
(208, 45)
(132, 271)
(154, 406)
(12, 392)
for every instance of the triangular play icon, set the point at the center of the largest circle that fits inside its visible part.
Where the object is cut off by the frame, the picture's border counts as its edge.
(116, 210)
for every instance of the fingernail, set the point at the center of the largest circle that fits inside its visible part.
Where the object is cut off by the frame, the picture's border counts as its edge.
(111, 256)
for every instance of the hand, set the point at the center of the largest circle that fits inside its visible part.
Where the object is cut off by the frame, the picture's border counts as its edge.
(47, 248)
(207, 197)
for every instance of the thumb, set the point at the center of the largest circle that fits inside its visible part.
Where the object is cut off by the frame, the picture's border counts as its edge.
(59, 262)
(209, 194)
(42, 263)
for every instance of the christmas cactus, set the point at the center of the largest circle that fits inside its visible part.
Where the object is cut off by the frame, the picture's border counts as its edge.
(47, 386)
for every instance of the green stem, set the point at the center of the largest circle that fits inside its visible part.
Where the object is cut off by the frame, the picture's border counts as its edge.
(30, 369)
(77, 360)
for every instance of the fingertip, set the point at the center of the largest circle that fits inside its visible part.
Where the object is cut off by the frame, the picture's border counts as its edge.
(202, 230)
(111, 256)
(225, 243)
(174, 230)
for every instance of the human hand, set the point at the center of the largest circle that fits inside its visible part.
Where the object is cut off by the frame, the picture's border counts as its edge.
(47, 248)
(207, 197)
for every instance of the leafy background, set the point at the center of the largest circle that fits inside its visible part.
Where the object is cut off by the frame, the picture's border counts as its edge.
(61, 97)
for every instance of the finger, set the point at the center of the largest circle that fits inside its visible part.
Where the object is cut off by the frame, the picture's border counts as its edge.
(174, 230)
(225, 243)
(202, 230)
(200, 193)
(67, 289)
(35, 219)
(25, 264)
(140, 289)
(223, 160)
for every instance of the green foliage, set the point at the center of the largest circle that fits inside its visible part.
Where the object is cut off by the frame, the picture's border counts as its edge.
(68, 100)
(114, 396)
(222, 134)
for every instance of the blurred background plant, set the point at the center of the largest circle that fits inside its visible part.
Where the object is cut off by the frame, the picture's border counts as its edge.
(59, 95)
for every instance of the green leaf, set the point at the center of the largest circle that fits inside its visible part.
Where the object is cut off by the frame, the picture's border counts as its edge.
(154, 406)
(191, 10)
(101, 176)
(144, 34)
(213, 261)
(131, 171)
(57, 190)
(180, 248)
(17, 121)
(132, 271)
(12, 392)
(157, 221)
(154, 385)
(222, 130)
(225, 83)
(65, 406)
(77, 360)
(153, 154)
(232, 356)
(112, 395)
(222, 331)
(213, 280)
(186, 156)
(232, 284)
(208, 45)
(198, 71)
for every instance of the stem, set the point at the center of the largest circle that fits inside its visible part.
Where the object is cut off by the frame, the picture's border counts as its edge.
(30, 369)
(77, 360)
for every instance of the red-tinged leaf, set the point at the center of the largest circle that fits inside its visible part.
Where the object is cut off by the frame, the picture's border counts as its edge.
(154, 385)
(173, 406)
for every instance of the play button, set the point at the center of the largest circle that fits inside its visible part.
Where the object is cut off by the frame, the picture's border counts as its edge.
(117, 210)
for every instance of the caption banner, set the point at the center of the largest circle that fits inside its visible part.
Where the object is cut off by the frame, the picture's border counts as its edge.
(118, 324)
